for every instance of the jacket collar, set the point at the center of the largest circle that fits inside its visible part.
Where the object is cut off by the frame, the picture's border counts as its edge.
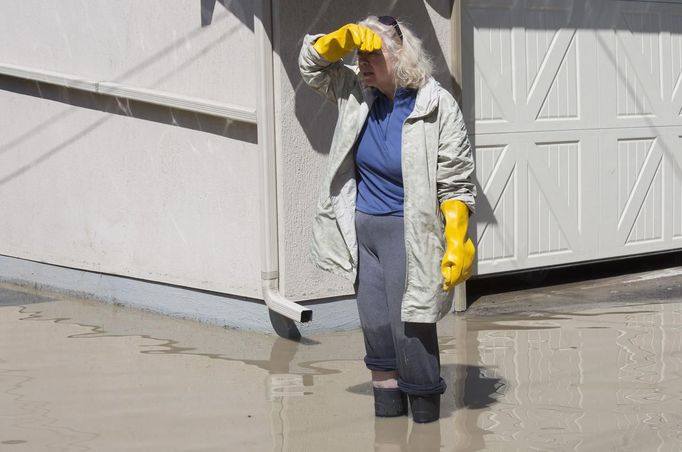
(426, 102)
(427, 99)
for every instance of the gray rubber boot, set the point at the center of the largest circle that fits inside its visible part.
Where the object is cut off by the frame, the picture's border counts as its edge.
(389, 402)
(425, 408)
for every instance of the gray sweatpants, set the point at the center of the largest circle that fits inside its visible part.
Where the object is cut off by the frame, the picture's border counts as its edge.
(390, 344)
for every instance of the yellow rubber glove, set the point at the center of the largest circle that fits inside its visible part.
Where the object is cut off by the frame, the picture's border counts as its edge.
(336, 44)
(460, 251)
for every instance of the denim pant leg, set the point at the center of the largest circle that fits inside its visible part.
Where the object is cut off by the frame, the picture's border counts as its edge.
(416, 344)
(372, 304)
(410, 348)
(418, 359)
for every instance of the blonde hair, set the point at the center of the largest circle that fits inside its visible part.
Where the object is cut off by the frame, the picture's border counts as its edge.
(411, 64)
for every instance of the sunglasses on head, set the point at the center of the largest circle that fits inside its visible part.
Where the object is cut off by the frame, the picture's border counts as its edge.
(391, 22)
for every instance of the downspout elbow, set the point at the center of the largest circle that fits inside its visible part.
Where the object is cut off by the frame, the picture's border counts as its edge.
(281, 305)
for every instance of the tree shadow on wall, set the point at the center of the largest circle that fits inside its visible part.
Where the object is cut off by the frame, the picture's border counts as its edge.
(292, 20)
(316, 116)
(73, 96)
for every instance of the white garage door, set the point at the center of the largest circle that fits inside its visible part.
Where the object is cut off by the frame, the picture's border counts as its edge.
(575, 108)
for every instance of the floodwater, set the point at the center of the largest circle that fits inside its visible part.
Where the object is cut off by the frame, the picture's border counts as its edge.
(77, 375)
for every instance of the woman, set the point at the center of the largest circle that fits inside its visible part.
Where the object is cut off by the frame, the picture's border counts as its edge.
(399, 152)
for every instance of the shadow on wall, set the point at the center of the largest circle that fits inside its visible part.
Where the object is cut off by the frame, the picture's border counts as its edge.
(73, 97)
(292, 20)
(245, 15)
(296, 19)
(141, 110)
(112, 105)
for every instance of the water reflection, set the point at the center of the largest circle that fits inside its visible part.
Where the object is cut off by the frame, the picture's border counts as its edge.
(607, 377)
(74, 374)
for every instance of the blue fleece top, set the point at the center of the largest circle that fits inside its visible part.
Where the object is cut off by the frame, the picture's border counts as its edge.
(378, 154)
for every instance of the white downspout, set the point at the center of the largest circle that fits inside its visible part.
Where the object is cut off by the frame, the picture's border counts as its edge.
(268, 171)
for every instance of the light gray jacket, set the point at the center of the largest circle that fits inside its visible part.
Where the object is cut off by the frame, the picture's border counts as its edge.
(437, 165)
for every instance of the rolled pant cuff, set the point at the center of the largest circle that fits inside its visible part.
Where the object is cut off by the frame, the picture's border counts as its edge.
(421, 389)
(380, 364)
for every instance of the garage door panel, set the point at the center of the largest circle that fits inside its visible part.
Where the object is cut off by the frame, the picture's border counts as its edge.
(546, 233)
(673, 183)
(674, 51)
(494, 164)
(641, 85)
(639, 31)
(633, 168)
(587, 161)
(496, 232)
(557, 188)
(558, 177)
(492, 61)
(539, 42)
(493, 98)
(637, 90)
(496, 217)
(541, 32)
(543, 80)
(643, 220)
(631, 160)
(531, 204)
(676, 208)
(623, 96)
(639, 66)
(553, 94)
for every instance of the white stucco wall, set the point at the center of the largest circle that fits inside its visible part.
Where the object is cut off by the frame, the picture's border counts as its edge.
(305, 122)
(94, 183)
(151, 44)
(130, 189)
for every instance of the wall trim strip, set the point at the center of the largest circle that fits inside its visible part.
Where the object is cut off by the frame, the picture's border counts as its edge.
(106, 88)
